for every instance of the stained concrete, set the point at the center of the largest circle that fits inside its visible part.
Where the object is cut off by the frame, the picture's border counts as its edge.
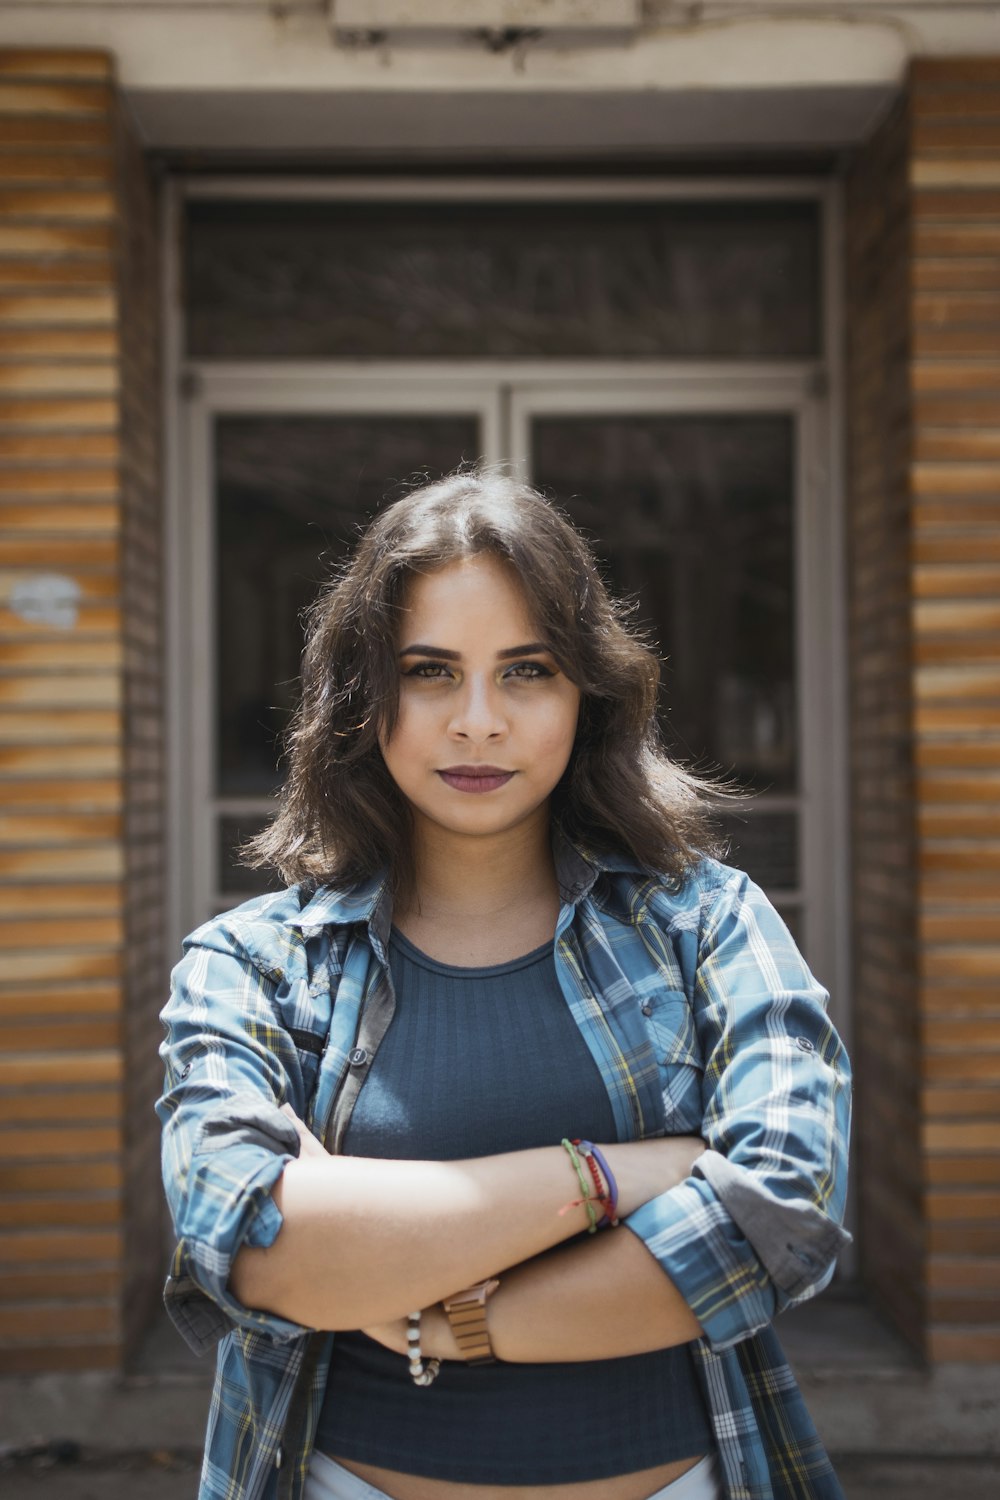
(139, 1476)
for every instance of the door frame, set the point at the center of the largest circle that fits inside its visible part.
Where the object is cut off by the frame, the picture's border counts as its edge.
(823, 378)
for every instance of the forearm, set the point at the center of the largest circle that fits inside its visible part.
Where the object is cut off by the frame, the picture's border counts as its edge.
(603, 1297)
(363, 1241)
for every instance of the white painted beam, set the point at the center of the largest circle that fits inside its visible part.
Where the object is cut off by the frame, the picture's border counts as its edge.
(270, 74)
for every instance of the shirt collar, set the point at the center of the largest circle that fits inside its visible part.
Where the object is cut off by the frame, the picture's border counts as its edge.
(340, 906)
(370, 901)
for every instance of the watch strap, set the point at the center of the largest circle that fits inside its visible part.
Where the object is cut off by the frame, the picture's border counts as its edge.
(466, 1312)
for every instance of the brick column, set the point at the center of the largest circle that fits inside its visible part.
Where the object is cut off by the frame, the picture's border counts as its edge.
(81, 856)
(923, 236)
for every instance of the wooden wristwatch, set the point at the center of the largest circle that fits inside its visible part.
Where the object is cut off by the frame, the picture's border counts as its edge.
(467, 1315)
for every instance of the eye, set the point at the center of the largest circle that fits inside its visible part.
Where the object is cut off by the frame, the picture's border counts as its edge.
(528, 670)
(429, 671)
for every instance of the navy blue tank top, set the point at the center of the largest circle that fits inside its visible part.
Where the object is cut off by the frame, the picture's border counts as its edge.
(475, 1062)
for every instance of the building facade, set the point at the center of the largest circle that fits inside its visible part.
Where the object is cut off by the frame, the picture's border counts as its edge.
(726, 281)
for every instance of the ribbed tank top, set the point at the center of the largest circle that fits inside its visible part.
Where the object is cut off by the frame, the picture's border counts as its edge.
(478, 1061)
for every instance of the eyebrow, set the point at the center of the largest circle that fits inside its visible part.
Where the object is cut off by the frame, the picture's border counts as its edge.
(533, 648)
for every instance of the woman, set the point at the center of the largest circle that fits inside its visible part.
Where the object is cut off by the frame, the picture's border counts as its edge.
(494, 1142)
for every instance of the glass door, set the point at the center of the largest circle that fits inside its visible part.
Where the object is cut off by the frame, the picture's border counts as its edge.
(281, 484)
(699, 501)
(704, 496)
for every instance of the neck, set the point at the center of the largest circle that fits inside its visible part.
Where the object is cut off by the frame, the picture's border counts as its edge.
(455, 876)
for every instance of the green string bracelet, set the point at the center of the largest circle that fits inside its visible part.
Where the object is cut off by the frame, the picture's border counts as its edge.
(574, 1157)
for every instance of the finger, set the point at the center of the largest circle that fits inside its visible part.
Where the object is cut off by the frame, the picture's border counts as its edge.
(286, 1109)
(389, 1335)
(309, 1145)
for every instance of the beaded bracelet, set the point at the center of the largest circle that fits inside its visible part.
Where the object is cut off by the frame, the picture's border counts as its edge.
(420, 1373)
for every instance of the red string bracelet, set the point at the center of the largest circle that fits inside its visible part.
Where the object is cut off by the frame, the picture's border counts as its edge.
(595, 1172)
(607, 1188)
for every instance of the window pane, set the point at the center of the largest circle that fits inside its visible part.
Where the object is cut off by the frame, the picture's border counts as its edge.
(766, 844)
(693, 515)
(634, 280)
(292, 493)
(237, 881)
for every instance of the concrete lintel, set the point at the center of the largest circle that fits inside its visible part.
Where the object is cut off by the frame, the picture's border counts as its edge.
(728, 73)
(291, 46)
(516, 127)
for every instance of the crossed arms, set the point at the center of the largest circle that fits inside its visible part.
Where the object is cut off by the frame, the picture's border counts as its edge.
(365, 1241)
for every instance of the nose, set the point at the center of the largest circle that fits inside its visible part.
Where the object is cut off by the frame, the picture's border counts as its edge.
(477, 711)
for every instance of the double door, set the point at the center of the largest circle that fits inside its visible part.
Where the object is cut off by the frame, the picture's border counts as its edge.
(705, 498)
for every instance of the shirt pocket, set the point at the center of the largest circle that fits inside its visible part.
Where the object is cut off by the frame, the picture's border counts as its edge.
(671, 1028)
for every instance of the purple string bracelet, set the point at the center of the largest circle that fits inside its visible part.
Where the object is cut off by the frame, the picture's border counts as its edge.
(611, 1217)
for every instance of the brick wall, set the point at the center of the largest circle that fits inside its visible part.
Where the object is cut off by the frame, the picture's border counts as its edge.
(80, 779)
(886, 1033)
(955, 482)
(923, 232)
(145, 896)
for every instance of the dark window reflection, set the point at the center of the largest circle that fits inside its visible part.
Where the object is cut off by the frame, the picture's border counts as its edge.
(694, 516)
(737, 280)
(292, 494)
(237, 880)
(765, 843)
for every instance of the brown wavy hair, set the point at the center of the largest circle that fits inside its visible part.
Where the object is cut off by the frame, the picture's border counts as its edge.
(341, 817)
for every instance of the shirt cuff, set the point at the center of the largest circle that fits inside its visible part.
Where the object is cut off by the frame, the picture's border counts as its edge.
(701, 1249)
(229, 1190)
(699, 1232)
(796, 1242)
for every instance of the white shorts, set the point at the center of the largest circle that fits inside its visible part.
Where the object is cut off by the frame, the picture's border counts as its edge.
(328, 1480)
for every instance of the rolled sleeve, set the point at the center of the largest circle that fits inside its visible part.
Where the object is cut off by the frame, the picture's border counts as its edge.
(229, 1066)
(198, 1297)
(711, 1264)
(757, 1226)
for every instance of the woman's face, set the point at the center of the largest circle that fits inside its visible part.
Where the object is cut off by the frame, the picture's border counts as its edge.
(486, 719)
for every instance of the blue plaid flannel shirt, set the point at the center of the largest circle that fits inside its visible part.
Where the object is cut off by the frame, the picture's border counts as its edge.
(703, 1018)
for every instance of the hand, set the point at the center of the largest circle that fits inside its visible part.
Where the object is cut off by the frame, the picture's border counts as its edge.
(308, 1144)
(391, 1335)
(436, 1338)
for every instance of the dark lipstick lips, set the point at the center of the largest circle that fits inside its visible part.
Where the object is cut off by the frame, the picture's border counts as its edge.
(475, 778)
(474, 771)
